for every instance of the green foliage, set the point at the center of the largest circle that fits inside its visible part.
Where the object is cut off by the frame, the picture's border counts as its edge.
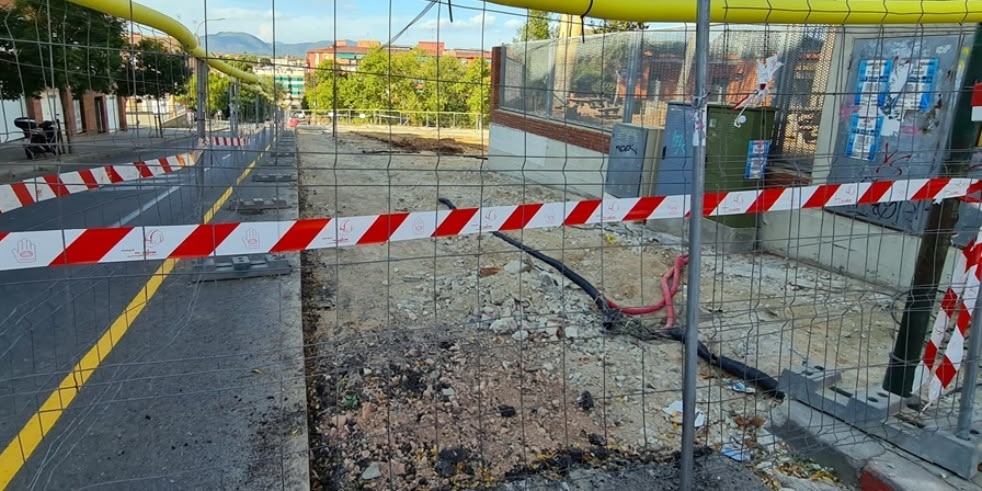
(152, 71)
(618, 26)
(57, 44)
(404, 81)
(536, 27)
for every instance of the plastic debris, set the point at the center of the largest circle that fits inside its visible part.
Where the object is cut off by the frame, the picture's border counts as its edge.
(674, 412)
(739, 386)
(738, 453)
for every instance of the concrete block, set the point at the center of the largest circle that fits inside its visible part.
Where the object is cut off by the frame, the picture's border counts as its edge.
(825, 439)
(721, 237)
(890, 472)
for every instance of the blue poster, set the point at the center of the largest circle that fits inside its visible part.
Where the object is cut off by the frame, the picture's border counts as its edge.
(757, 151)
(864, 136)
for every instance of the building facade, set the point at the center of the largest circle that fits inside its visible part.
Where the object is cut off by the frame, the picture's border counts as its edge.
(348, 54)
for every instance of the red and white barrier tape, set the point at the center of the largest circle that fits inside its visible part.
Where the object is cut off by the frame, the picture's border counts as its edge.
(30, 191)
(21, 250)
(229, 141)
(955, 313)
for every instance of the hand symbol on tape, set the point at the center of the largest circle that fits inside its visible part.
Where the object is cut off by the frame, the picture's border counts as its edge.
(418, 225)
(251, 239)
(153, 237)
(25, 252)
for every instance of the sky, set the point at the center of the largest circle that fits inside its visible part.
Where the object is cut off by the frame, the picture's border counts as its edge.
(476, 24)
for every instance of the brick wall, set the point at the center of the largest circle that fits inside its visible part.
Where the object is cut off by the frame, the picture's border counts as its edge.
(572, 134)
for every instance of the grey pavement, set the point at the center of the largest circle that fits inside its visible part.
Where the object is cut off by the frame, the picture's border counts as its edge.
(206, 390)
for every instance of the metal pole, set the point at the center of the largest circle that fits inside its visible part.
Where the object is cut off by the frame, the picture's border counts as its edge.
(691, 360)
(202, 73)
(967, 403)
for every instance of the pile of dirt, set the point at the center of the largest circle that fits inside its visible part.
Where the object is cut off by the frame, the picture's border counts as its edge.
(417, 143)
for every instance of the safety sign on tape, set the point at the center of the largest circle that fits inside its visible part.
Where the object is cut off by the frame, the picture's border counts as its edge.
(31, 249)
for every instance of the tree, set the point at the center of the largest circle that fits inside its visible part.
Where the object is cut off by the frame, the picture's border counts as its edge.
(477, 80)
(57, 44)
(536, 27)
(606, 26)
(388, 81)
(152, 71)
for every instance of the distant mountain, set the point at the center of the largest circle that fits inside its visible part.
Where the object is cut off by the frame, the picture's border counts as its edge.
(235, 43)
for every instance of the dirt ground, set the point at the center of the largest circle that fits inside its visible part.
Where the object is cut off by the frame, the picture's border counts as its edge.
(456, 362)
(442, 140)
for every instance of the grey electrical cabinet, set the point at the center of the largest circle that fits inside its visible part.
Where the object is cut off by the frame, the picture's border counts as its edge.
(633, 160)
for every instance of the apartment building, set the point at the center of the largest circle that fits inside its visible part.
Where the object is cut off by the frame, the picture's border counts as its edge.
(348, 54)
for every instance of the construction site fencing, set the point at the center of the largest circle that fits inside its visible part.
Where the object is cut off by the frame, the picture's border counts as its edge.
(399, 299)
(386, 117)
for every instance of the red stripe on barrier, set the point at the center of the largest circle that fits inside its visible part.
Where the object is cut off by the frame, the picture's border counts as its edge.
(930, 189)
(455, 222)
(143, 168)
(91, 246)
(23, 194)
(57, 186)
(582, 212)
(521, 217)
(946, 372)
(644, 208)
(821, 196)
(710, 202)
(88, 179)
(949, 303)
(114, 176)
(300, 235)
(876, 191)
(164, 164)
(964, 318)
(382, 228)
(203, 240)
(930, 354)
(765, 200)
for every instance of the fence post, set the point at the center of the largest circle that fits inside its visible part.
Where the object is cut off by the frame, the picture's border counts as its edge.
(690, 364)
(201, 67)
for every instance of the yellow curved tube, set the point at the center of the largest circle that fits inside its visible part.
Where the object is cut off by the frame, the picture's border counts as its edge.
(759, 11)
(136, 12)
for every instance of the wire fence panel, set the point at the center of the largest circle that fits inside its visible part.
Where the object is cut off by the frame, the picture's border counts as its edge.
(455, 256)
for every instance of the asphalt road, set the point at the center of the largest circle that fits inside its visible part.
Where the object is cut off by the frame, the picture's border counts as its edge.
(205, 389)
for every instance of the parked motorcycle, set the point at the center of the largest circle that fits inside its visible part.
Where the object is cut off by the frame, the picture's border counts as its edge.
(39, 139)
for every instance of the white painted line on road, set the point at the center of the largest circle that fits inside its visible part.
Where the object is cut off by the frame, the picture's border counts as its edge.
(146, 206)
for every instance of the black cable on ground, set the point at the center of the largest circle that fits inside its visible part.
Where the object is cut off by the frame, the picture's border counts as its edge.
(613, 317)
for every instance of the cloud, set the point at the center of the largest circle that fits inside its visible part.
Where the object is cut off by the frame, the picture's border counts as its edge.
(475, 21)
(514, 23)
(356, 19)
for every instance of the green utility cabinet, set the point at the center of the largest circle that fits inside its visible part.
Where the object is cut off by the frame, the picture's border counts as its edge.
(729, 150)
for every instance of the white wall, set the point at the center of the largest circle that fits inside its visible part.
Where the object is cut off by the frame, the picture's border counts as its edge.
(530, 157)
(10, 110)
(112, 113)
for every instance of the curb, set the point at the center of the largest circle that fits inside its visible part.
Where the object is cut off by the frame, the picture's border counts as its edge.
(857, 458)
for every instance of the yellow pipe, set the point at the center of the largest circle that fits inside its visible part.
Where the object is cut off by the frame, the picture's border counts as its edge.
(136, 12)
(760, 11)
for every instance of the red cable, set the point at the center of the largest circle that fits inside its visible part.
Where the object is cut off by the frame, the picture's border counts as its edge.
(669, 286)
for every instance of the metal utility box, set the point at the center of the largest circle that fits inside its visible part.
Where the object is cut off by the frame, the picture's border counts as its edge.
(633, 160)
(736, 155)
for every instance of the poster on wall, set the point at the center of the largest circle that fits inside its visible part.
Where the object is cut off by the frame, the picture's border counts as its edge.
(757, 151)
(894, 122)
